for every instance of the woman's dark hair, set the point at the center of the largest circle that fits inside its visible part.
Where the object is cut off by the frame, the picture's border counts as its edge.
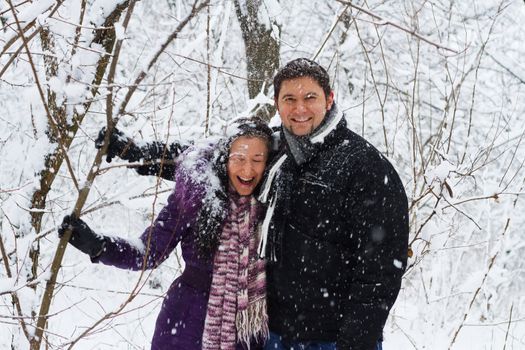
(302, 67)
(213, 212)
(249, 127)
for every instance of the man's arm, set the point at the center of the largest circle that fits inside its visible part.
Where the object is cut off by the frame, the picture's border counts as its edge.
(378, 222)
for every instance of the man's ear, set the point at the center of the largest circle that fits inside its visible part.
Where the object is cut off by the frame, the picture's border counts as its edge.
(330, 100)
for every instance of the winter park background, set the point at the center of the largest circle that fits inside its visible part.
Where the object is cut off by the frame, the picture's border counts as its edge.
(437, 85)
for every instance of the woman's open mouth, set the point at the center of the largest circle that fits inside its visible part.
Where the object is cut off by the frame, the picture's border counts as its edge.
(246, 181)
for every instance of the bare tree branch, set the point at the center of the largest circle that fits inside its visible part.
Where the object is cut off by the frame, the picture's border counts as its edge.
(28, 38)
(511, 72)
(14, 296)
(194, 11)
(384, 21)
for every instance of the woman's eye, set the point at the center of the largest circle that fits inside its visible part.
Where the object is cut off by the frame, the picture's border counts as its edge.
(237, 159)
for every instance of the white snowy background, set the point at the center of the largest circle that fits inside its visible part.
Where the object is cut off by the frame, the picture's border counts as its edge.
(445, 103)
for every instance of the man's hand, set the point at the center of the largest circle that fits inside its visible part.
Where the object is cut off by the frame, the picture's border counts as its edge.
(119, 145)
(82, 237)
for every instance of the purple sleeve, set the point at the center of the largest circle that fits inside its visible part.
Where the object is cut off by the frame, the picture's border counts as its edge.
(174, 221)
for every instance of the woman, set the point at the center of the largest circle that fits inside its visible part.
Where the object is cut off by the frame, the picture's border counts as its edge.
(219, 300)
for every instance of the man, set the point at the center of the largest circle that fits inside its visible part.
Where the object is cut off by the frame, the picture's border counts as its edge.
(336, 225)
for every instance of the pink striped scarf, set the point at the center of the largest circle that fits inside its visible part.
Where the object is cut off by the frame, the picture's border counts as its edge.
(237, 305)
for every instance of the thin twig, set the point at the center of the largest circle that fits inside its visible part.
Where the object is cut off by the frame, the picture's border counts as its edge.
(329, 34)
(14, 297)
(219, 69)
(113, 291)
(78, 31)
(28, 38)
(208, 74)
(110, 123)
(376, 89)
(195, 9)
(522, 80)
(492, 260)
(398, 26)
(508, 326)
(494, 196)
(19, 4)
(79, 25)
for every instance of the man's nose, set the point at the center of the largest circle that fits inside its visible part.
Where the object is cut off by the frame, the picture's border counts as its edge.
(300, 106)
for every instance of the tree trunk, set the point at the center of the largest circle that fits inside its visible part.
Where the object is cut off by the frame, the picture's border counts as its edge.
(262, 52)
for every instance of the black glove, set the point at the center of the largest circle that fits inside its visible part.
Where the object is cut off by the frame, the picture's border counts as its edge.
(154, 153)
(119, 145)
(82, 237)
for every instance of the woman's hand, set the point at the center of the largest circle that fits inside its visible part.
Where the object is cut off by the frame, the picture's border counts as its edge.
(119, 146)
(82, 236)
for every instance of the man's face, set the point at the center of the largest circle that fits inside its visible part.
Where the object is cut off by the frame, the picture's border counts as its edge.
(302, 105)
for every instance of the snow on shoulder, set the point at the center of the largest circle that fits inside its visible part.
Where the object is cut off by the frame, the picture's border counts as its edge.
(196, 165)
(197, 162)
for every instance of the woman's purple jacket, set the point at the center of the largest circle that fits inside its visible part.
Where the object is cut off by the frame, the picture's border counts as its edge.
(180, 322)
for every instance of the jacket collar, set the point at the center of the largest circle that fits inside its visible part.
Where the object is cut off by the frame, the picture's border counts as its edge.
(303, 148)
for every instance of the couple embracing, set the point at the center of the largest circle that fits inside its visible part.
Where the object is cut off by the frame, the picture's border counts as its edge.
(295, 242)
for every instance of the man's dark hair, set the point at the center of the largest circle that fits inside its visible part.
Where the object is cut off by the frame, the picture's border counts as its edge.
(302, 67)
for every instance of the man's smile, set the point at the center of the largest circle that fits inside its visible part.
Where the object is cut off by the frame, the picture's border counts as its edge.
(301, 119)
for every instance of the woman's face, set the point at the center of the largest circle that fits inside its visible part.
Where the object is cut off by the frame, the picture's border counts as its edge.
(246, 163)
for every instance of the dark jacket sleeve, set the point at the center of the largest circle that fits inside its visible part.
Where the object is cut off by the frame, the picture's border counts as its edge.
(159, 159)
(378, 218)
(158, 240)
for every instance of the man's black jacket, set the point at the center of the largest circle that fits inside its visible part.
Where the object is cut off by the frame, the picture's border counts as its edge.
(339, 233)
